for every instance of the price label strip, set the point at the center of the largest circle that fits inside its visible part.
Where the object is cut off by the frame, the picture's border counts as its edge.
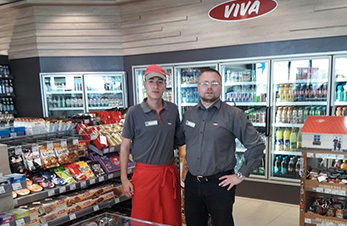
(16, 186)
(51, 192)
(2, 190)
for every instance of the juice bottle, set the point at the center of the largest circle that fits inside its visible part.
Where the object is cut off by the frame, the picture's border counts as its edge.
(293, 139)
(286, 93)
(344, 165)
(290, 93)
(281, 92)
(284, 115)
(338, 111)
(289, 114)
(286, 136)
(299, 142)
(279, 139)
(279, 115)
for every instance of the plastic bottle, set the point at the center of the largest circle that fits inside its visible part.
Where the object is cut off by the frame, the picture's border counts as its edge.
(286, 93)
(279, 139)
(279, 115)
(291, 167)
(297, 168)
(286, 136)
(339, 96)
(284, 166)
(299, 141)
(281, 93)
(344, 165)
(277, 165)
(338, 111)
(293, 139)
(284, 115)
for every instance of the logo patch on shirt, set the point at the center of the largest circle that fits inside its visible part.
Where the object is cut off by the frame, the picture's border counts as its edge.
(169, 123)
(190, 124)
(151, 123)
(215, 123)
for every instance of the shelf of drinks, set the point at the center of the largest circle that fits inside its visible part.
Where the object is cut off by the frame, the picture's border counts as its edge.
(105, 91)
(67, 188)
(316, 219)
(259, 124)
(299, 125)
(10, 77)
(243, 83)
(340, 103)
(326, 188)
(9, 112)
(103, 108)
(295, 153)
(66, 109)
(5, 95)
(188, 104)
(65, 92)
(84, 212)
(104, 150)
(187, 85)
(309, 103)
(303, 81)
(251, 104)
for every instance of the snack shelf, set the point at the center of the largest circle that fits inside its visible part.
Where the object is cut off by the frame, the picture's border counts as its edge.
(86, 211)
(313, 218)
(306, 103)
(327, 188)
(18, 222)
(104, 150)
(67, 188)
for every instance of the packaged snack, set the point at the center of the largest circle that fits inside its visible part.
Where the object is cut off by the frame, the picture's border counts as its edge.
(62, 153)
(97, 169)
(75, 172)
(32, 158)
(35, 188)
(23, 192)
(16, 163)
(64, 174)
(82, 149)
(6, 218)
(48, 156)
(84, 167)
(109, 162)
(72, 153)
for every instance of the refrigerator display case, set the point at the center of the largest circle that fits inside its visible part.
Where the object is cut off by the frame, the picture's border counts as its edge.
(105, 91)
(66, 94)
(339, 88)
(300, 88)
(245, 85)
(187, 90)
(140, 92)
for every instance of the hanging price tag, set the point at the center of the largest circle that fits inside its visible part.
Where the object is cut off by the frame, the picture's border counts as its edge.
(16, 186)
(83, 184)
(51, 192)
(18, 150)
(73, 187)
(49, 145)
(72, 216)
(62, 189)
(20, 222)
(86, 121)
(75, 141)
(2, 190)
(13, 135)
(96, 208)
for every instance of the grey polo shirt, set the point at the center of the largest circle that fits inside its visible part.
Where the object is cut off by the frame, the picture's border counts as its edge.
(152, 133)
(210, 139)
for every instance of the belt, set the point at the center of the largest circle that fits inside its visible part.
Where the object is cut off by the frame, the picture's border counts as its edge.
(215, 176)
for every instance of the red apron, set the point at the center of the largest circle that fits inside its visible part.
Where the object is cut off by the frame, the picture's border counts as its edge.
(156, 194)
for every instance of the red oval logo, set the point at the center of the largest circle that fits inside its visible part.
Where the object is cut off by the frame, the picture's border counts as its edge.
(237, 10)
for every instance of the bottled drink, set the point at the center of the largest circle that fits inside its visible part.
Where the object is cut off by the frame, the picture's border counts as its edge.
(289, 114)
(63, 103)
(281, 93)
(68, 102)
(11, 87)
(300, 115)
(297, 167)
(338, 111)
(284, 166)
(291, 167)
(277, 165)
(306, 113)
(296, 92)
(344, 165)
(339, 96)
(294, 115)
(286, 93)
(279, 115)
(11, 105)
(284, 115)
(279, 139)
(299, 141)
(286, 136)
(324, 91)
(290, 93)
(312, 111)
(293, 139)
(302, 93)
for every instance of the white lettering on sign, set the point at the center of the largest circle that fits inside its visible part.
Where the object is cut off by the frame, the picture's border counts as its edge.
(235, 10)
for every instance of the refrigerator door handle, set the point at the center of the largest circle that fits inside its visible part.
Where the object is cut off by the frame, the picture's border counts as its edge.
(267, 121)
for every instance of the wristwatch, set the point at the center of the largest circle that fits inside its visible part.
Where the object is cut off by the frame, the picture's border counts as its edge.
(240, 176)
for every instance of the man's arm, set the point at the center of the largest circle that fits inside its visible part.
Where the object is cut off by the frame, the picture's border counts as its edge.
(124, 159)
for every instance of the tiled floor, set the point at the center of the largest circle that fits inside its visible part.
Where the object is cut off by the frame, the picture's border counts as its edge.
(264, 213)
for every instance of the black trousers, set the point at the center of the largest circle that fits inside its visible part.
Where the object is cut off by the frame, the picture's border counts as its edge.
(203, 198)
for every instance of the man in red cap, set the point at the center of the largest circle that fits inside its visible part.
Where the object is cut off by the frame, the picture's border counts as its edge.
(150, 130)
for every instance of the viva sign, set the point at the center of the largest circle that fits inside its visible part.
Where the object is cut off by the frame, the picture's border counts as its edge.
(237, 10)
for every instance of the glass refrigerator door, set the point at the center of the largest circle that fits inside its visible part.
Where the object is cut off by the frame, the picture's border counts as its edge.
(140, 92)
(245, 85)
(339, 95)
(300, 89)
(62, 94)
(105, 91)
(187, 91)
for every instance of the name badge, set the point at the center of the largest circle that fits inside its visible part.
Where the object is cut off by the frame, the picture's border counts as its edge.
(190, 124)
(151, 123)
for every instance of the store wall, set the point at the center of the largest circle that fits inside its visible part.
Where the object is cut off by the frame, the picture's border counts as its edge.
(3, 59)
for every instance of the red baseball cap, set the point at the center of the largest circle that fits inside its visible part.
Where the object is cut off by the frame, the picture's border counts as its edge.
(155, 71)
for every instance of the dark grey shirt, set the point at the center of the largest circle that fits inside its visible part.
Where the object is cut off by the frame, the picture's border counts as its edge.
(210, 139)
(152, 134)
